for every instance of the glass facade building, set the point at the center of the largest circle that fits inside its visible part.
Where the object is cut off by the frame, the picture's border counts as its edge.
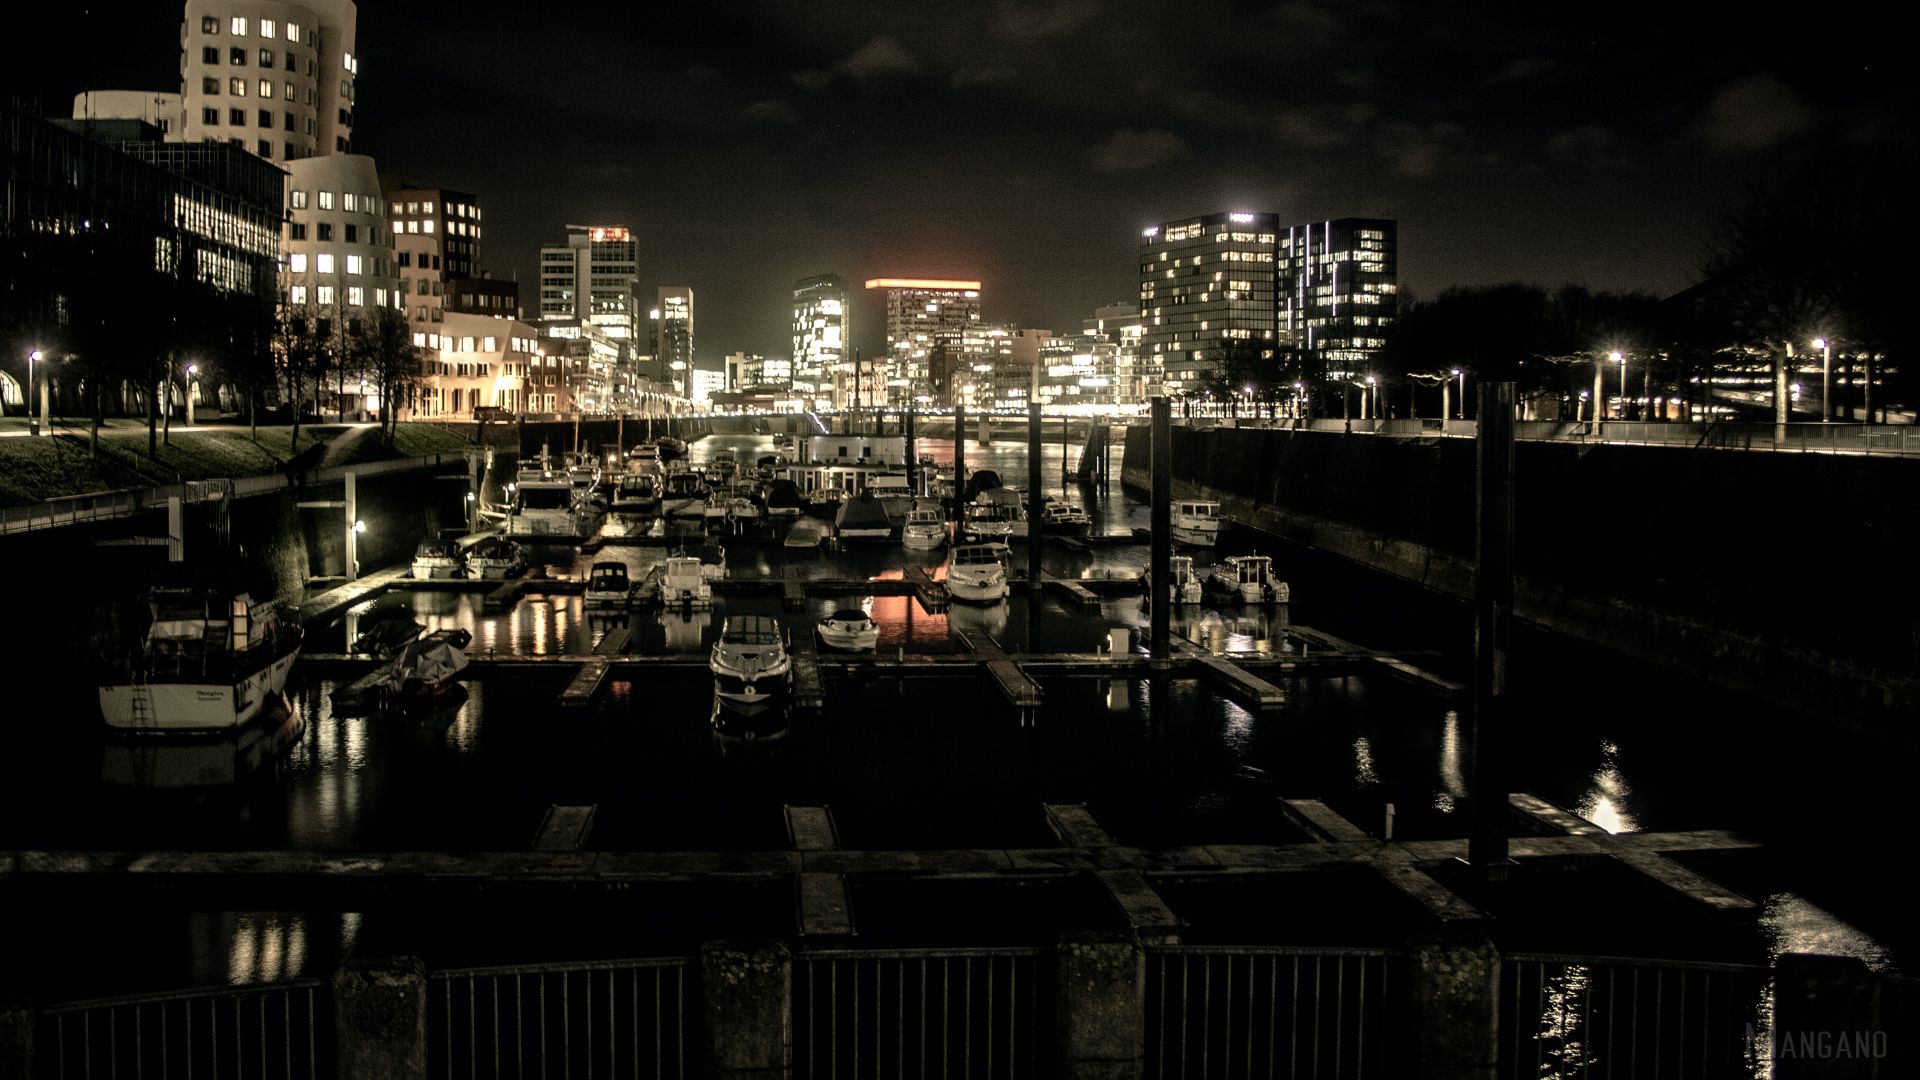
(1202, 280)
(1340, 289)
(927, 324)
(820, 336)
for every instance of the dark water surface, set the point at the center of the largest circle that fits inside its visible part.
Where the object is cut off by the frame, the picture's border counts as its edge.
(932, 763)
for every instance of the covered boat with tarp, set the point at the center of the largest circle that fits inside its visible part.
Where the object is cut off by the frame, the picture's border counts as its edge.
(863, 517)
(417, 676)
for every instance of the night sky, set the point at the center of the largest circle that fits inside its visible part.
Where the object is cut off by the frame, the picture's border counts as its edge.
(1026, 144)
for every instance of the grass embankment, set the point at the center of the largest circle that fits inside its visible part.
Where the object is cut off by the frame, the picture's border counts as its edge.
(32, 470)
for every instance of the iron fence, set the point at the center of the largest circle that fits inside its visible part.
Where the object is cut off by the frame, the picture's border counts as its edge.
(956, 1013)
(609, 1018)
(1565, 1017)
(1270, 1012)
(270, 1031)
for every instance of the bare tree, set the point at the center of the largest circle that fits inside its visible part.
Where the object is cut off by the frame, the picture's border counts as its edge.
(389, 361)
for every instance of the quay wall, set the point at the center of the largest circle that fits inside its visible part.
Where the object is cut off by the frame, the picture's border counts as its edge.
(1787, 577)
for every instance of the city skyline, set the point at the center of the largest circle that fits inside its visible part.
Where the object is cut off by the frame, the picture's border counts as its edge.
(758, 145)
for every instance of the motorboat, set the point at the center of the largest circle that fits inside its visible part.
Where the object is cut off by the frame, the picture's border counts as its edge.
(851, 629)
(1248, 579)
(926, 526)
(415, 676)
(607, 585)
(1184, 586)
(757, 728)
(979, 482)
(544, 507)
(386, 637)
(714, 510)
(1061, 518)
(494, 558)
(438, 559)
(785, 448)
(892, 491)
(807, 533)
(1198, 522)
(684, 496)
(212, 660)
(636, 493)
(678, 581)
(978, 572)
(863, 517)
(783, 499)
(825, 502)
(205, 765)
(989, 522)
(750, 665)
(668, 448)
(644, 457)
(713, 559)
(1010, 504)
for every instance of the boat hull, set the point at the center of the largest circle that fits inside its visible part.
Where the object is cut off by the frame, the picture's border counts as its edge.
(183, 708)
(978, 593)
(852, 641)
(1196, 537)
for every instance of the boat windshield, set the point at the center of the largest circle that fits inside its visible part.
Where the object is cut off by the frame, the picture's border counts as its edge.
(975, 556)
(545, 498)
(756, 631)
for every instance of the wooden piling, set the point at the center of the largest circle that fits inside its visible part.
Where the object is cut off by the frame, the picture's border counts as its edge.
(1492, 625)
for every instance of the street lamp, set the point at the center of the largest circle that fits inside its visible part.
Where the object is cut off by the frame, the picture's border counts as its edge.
(1373, 405)
(1460, 375)
(192, 370)
(1621, 359)
(33, 420)
(1826, 379)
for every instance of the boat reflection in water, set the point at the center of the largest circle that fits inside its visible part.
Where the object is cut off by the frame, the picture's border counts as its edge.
(1235, 630)
(205, 764)
(979, 618)
(762, 732)
(686, 627)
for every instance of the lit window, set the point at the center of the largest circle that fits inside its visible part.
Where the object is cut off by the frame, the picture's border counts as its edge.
(423, 287)
(356, 296)
(293, 32)
(413, 226)
(466, 344)
(425, 207)
(420, 340)
(323, 263)
(426, 226)
(290, 97)
(353, 264)
(347, 200)
(209, 24)
(323, 294)
(490, 344)
(297, 294)
(297, 263)
(379, 298)
(299, 201)
(326, 200)
(239, 26)
(268, 28)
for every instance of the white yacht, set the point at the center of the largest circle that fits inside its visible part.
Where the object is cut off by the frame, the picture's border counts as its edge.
(494, 558)
(1184, 586)
(544, 507)
(926, 526)
(1249, 579)
(978, 572)
(213, 660)
(607, 585)
(438, 559)
(713, 559)
(750, 663)
(636, 493)
(678, 582)
(1198, 522)
(989, 522)
(850, 628)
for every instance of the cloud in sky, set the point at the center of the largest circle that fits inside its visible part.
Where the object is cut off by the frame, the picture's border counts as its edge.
(1754, 114)
(878, 58)
(1127, 150)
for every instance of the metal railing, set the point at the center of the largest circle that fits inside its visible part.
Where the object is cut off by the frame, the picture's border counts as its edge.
(628, 1017)
(270, 1031)
(1563, 1017)
(920, 1012)
(1215, 1011)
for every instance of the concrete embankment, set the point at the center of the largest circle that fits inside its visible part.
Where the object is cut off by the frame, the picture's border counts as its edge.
(1781, 576)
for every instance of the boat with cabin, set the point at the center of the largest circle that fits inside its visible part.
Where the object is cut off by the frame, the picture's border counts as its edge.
(438, 559)
(495, 558)
(607, 585)
(1249, 580)
(678, 581)
(416, 676)
(926, 526)
(851, 629)
(1061, 518)
(863, 517)
(751, 668)
(636, 493)
(1183, 584)
(713, 559)
(978, 572)
(1198, 522)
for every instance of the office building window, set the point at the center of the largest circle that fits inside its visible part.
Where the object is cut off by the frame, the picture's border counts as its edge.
(237, 117)
(210, 117)
(405, 258)
(209, 24)
(492, 344)
(291, 126)
(425, 207)
(267, 57)
(413, 226)
(298, 199)
(353, 261)
(237, 57)
(289, 94)
(266, 118)
(239, 26)
(326, 200)
(326, 233)
(424, 288)
(293, 151)
(210, 87)
(297, 263)
(420, 315)
(209, 55)
(266, 88)
(347, 201)
(268, 28)
(297, 294)
(291, 67)
(353, 234)
(296, 231)
(437, 316)
(237, 87)
(293, 32)
(356, 296)
(323, 262)
(426, 226)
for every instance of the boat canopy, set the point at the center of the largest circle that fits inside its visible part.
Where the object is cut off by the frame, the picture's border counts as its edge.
(977, 554)
(848, 615)
(750, 630)
(437, 549)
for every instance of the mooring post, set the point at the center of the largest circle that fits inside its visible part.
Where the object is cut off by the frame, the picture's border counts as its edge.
(1492, 624)
(176, 530)
(1454, 983)
(959, 458)
(748, 986)
(1100, 1005)
(380, 1018)
(1033, 497)
(353, 532)
(1159, 597)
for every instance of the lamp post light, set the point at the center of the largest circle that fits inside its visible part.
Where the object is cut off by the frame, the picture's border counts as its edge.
(33, 419)
(1826, 379)
(1621, 359)
(1372, 400)
(192, 370)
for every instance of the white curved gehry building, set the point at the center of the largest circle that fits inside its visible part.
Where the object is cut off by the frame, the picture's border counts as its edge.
(276, 78)
(337, 249)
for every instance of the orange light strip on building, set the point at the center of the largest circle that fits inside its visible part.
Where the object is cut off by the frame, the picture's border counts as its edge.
(919, 283)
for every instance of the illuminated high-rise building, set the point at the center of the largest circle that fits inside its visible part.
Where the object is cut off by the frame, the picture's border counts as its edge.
(1204, 280)
(820, 337)
(592, 277)
(275, 78)
(1339, 285)
(927, 323)
(674, 326)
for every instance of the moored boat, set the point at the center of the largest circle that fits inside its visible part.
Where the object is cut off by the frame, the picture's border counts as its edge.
(494, 558)
(1183, 585)
(849, 628)
(678, 581)
(926, 526)
(1198, 522)
(863, 517)
(416, 676)
(1249, 580)
(750, 664)
(438, 559)
(607, 585)
(978, 572)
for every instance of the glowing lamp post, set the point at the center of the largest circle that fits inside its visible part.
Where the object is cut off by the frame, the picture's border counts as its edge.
(192, 370)
(1621, 359)
(1373, 396)
(33, 419)
(1826, 379)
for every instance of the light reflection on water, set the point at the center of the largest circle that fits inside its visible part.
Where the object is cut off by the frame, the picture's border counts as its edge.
(1605, 803)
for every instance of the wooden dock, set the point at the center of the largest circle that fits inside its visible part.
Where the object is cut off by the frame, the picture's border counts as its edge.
(586, 683)
(1439, 686)
(809, 692)
(1234, 679)
(334, 602)
(1076, 592)
(793, 595)
(502, 599)
(565, 828)
(823, 903)
(614, 642)
(1013, 683)
(931, 594)
(1650, 866)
